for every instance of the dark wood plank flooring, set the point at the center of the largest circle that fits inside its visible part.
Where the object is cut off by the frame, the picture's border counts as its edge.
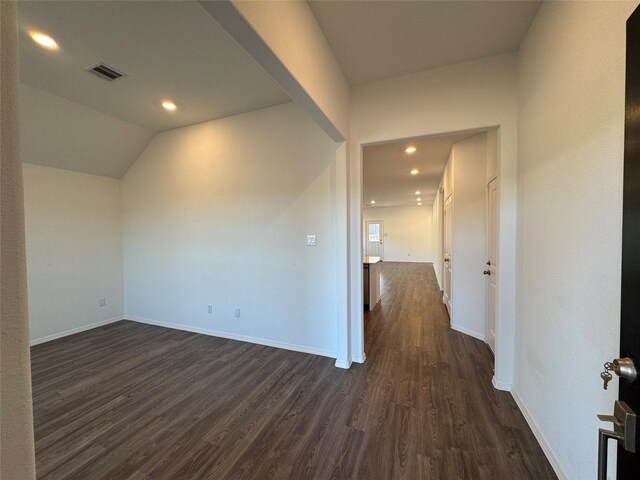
(134, 401)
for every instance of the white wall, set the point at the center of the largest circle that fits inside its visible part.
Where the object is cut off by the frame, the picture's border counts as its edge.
(218, 214)
(286, 40)
(437, 216)
(408, 235)
(74, 250)
(468, 236)
(437, 207)
(571, 125)
(465, 96)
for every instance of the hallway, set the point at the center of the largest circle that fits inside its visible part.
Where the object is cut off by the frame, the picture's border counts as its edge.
(439, 381)
(129, 400)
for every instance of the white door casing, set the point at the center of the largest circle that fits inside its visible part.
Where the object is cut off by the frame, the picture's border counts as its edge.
(446, 253)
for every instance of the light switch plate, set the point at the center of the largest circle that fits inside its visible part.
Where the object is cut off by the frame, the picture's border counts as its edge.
(312, 240)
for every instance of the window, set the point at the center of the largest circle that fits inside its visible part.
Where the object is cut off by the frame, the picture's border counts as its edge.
(374, 232)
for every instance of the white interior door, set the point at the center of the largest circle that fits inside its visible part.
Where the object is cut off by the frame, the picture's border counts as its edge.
(492, 261)
(375, 238)
(446, 252)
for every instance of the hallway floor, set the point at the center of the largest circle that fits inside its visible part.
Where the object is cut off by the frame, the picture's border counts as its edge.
(134, 401)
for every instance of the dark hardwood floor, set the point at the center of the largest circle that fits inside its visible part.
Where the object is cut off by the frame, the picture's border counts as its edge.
(136, 401)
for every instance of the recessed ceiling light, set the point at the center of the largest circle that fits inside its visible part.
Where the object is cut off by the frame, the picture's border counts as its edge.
(417, 192)
(419, 203)
(167, 105)
(373, 202)
(44, 40)
(414, 172)
(419, 199)
(410, 149)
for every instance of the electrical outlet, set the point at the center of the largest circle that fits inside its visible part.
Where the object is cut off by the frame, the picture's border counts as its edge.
(312, 240)
(102, 302)
(237, 313)
(210, 308)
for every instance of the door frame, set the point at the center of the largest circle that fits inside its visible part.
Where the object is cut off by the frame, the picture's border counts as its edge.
(507, 240)
(492, 268)
(447, 238)
(439, 254)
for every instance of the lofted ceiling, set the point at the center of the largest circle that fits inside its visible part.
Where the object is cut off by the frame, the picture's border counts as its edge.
(374, 40)
(175, 50)
(172, 50)
(386, 167)
(63, 134)
(168, 50)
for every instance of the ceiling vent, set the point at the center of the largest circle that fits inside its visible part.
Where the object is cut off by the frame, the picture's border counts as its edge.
(105, 71)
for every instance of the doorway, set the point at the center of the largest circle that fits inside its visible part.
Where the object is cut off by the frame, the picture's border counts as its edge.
(463, 227)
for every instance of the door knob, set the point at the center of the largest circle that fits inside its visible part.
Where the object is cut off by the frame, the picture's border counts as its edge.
(623, 367)
(487, 272)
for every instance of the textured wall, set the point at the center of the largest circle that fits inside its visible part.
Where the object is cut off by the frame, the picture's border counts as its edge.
(571, 76)
(17, 460)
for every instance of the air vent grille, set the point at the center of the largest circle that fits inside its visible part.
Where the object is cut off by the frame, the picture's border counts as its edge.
(105, 71)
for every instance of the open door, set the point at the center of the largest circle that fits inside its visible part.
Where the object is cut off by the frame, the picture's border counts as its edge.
(629, 462)
(624, 418)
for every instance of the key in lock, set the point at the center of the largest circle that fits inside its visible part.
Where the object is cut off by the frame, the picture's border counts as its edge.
(606, 374)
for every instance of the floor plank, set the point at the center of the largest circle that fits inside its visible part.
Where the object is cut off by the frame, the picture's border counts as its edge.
(134, 401)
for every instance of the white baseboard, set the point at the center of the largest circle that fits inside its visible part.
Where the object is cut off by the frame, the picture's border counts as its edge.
(83, 328)
(466, 331)
(340, 363)
(235, 336)
(548, 451)
(505, 387)
(360, 359)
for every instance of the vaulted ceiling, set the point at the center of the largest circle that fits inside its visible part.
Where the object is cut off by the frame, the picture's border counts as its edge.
(175, 50)
(168, 50)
